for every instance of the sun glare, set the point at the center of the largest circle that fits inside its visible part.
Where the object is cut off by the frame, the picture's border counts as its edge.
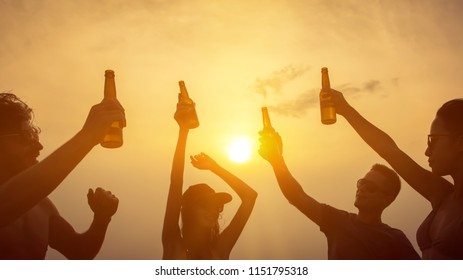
(239, 149)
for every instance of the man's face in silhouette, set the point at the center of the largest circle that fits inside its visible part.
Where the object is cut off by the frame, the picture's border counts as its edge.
(19, 149)
(373, 192)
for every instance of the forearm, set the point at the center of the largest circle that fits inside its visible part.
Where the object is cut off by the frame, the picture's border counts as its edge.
(178, 163)
(89, 243)
(31, 186)
(377, 139)
(294, 193)
(243, 190)
(174, 198)
(289, 186)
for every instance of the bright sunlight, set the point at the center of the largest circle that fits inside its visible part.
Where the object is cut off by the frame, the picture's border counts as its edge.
(239, 149)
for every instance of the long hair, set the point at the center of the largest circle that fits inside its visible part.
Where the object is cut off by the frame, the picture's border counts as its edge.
(188, 224)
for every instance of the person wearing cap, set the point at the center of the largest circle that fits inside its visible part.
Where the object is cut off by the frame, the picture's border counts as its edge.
(200, 206)
(361, 236)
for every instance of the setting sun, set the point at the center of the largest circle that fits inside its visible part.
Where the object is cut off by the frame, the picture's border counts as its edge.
(239, 149)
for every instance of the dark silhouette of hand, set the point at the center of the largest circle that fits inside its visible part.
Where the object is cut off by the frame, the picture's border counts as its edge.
(203, 161)
(103, 203)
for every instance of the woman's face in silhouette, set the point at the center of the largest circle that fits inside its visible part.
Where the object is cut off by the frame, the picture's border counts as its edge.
(442, 150)
(207, 214)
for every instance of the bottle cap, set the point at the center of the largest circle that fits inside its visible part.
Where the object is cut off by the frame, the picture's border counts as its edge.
(109, 73)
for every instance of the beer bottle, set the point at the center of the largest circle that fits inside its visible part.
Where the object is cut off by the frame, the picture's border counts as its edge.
(327, 109)
(269, 132)
(113, 138)
(188, 105)
(266, 120)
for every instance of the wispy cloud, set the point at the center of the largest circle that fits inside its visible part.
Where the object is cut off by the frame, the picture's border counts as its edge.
(298, 106)
(275, 81)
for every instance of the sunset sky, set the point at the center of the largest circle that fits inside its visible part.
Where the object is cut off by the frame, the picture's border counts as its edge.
(395, 61)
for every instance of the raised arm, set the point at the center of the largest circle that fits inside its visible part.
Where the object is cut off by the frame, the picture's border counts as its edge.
(420, 179)
(271, 149)
(23, 191)
(171, 236)
(231, 233)
(84, 246)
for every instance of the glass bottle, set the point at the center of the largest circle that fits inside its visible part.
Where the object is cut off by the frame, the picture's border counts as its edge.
(327, 108)
(187, 104)
(266, 121)
(113, 138)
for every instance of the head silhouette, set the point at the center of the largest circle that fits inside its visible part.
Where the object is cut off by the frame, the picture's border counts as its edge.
(445, 140)
(19, 142)
(201, 207)
(377, 189)
(451, 113)
(13, 114)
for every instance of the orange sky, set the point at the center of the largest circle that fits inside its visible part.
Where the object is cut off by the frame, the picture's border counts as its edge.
(396, 62)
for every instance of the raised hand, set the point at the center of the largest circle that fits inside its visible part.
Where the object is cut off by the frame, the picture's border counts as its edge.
(271, 146)
(100, 118)
(103, 203)
(184, 113)
(203, 161)
(339, 101)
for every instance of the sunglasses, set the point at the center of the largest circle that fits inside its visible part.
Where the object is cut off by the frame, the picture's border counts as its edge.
(27, 136)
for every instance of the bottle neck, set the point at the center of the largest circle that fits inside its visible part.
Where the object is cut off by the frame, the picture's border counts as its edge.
(325, 79)
(110, 89)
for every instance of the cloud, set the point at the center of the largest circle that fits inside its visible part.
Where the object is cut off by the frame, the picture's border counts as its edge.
(369, 87)
(298, 106)
(275, 81)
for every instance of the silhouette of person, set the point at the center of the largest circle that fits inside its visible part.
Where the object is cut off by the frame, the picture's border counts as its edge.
(361, 236)
(29, 221)
(200, 207)
(440, 236)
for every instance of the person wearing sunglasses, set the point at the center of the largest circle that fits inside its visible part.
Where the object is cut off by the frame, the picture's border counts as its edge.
(440, 235)
(29, 221)
(350, 236)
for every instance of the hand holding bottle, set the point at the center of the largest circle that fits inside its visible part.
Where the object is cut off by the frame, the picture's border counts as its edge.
(101, 117)
(339, 102)
(271, 146)
(185, 115)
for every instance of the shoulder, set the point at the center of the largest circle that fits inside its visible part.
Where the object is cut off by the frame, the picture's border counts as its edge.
(329, 212)
(332, 218)
(395, 234)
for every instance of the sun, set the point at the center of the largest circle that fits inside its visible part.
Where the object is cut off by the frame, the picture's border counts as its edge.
(239, 149)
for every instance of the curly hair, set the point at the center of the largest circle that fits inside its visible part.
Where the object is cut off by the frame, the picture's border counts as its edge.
(13, 113)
